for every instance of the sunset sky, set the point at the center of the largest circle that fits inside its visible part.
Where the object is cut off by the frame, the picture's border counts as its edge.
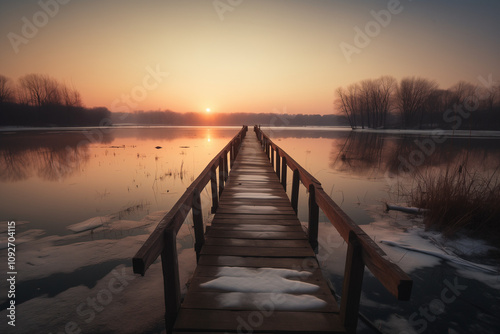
(243, 56)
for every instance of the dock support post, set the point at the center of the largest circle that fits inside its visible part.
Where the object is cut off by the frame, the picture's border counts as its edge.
(199, 233)
(295, 190)
(353, 282)
(171, 285)
(283, 173)
(313, 219)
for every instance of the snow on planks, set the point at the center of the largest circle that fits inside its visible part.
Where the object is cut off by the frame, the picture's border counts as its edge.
(256, 228)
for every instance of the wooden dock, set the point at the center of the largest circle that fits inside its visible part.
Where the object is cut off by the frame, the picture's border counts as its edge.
(257, 271)
(255, 227)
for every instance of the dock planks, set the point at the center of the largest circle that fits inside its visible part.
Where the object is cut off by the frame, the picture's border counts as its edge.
(255, 227)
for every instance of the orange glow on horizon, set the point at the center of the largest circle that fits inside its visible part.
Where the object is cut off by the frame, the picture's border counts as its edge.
(181, 56)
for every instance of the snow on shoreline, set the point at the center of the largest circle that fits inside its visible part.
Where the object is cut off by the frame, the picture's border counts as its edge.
(406, 242)
(126, 303)
(90, 224)
(436, 132)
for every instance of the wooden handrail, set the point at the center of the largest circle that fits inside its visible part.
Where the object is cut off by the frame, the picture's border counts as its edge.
(394, 279)
(174, 219)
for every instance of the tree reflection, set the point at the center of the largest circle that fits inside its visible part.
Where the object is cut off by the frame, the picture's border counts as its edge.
(367, 153)
(49, 156)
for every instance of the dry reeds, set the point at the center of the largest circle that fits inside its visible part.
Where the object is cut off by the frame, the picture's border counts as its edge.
(457, 199)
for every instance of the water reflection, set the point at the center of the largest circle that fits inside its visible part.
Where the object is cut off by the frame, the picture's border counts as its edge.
(49, 156)
(365, 153)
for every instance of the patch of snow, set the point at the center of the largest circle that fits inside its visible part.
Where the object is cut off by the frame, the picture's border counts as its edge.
(269, 283)
(4, 227)
(396, 325)
(23, 237)
(121, 305)
(278, 301)
(261, 280)
(89, 224)
(254, 272)
(441, 255)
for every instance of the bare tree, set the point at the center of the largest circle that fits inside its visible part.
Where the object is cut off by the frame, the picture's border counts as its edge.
(411, 99)
(462, 92)
(6, 90)
(70, 97)
(387, 85)
(39, 90)
(375, 100)
(347, 102)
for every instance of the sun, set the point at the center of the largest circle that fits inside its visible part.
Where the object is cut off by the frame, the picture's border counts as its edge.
(207, 110)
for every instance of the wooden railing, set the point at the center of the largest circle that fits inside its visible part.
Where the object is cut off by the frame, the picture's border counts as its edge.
(362, 250)
(163, 239)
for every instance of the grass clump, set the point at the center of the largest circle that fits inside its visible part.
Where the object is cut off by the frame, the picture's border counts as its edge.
(458, 199)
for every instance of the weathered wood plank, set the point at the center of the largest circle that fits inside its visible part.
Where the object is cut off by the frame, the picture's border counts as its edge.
(226, 219)
(239, 321)
(256, 227)
(229, 201)
(254, 301)
(264, 217)
(256, 235)
(255, 209)
(257, 243)
(256, 251)
(258, 262)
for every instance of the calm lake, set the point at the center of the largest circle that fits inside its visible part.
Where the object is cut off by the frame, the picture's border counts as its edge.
(58, 181)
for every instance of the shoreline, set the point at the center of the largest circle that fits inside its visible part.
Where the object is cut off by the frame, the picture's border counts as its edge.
(414, 132)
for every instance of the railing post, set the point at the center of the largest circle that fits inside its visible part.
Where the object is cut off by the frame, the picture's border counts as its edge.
(353, 282)
(199, 233)
(231, 155)
(226, 167)
(295, 190)
(238, 144)
(221, 176)
(278, 160)
(313, 219)
(171, 284)
(283, 173)
(213, 185)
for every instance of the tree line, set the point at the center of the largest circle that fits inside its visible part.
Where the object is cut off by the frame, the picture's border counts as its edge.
(168, 117)
(418, 103)
(39, 100)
